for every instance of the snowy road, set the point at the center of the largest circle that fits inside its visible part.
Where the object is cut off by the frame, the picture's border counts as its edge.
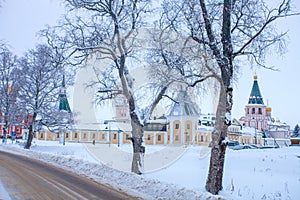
(25, 178)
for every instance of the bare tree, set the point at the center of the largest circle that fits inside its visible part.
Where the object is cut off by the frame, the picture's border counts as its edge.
(9, 85)
(106, 30)
(228, 31)
(39, 90)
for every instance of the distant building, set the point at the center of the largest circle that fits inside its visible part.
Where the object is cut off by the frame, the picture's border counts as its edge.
(183, 120)
(184, 124)
(259, 116)
(207, 119)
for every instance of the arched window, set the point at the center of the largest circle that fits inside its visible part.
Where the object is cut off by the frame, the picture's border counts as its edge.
(259, 111)
(253, 110)
(159, 137)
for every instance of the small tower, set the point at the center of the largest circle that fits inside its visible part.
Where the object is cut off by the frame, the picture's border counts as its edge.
(183, 120)
(63, 100)
(121, 109)
(255, 110)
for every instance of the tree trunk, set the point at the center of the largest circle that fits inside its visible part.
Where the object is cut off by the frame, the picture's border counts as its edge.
(30, 137)
(137, 160)
(31, 131)
(4, 140)
(138, 149)
(217, 158)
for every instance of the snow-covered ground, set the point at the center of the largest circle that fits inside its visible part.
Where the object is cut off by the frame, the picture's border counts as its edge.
(249, 174)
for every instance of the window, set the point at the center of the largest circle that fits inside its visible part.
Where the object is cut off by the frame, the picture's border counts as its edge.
(253, 110)
(148, 137)
(84, 135)
(176, 138)
(176, 126)
(115, 136)
(57, 135)
(75, 136)
(42, 135)
(159, 137)
(67, 135)
(127, 137)
(94, 135)
(259, 111)
(188, 126)
(201, 138)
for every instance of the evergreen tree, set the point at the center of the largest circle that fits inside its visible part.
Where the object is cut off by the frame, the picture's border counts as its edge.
(296, 131)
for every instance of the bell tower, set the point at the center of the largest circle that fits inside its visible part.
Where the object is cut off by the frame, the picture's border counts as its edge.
(63, 100)
(256, 112)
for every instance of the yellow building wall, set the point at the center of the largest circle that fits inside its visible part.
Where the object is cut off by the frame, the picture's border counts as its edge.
(41, 136)
(160, 136)
(149, 138)
(114, 137)
(68, 136)
(84, 136)
(50, 136)
(75, 136)
(94, 136)
(203, 138)
(188, 126)
(176, 132)
(234, 137)
(56, 138)
(126, 135)
(245, 139)
(103, 137)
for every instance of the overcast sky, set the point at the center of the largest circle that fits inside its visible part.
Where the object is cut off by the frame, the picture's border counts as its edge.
(20, 20)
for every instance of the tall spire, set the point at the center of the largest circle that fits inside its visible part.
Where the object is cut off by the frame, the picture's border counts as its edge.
(63, 100)
(255, 96)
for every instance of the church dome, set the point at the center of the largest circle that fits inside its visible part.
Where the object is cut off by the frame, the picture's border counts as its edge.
(268, 109)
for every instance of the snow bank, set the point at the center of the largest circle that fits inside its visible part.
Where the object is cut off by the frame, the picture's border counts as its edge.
(129, 182)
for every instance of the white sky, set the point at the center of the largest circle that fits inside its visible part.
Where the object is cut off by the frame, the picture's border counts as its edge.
(20, 20)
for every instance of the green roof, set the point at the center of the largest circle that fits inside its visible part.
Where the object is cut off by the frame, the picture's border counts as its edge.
(63, 103)
(255, 96)
(63, 100)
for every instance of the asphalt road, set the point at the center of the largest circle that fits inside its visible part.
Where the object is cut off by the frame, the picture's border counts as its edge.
(25, 178)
